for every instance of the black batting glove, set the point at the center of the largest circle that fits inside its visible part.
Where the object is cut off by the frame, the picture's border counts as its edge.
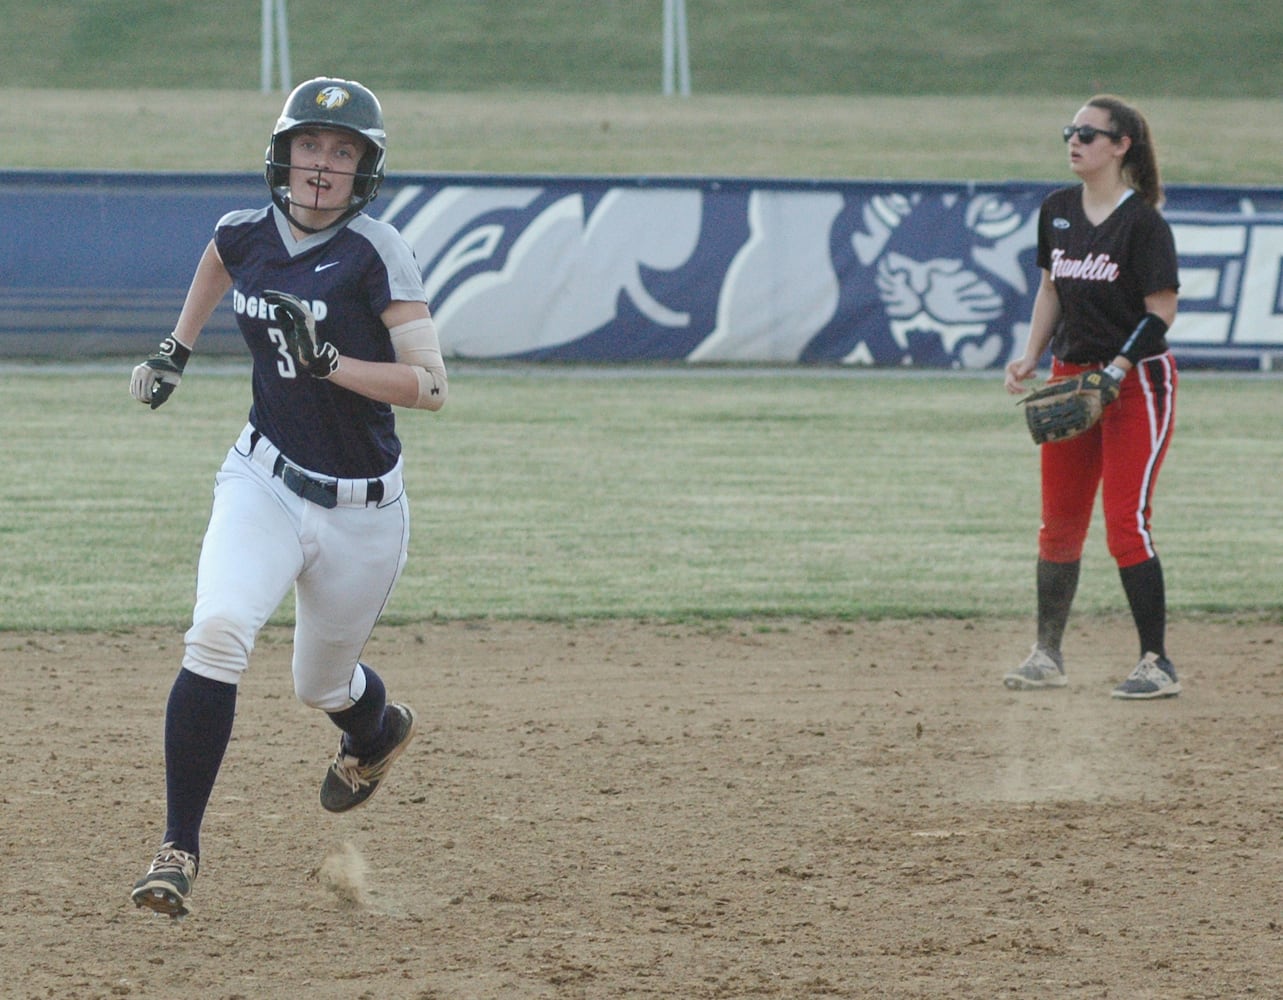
(155, 380)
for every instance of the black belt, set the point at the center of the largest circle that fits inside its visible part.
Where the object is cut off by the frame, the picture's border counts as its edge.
(322, 493)
(319, 491)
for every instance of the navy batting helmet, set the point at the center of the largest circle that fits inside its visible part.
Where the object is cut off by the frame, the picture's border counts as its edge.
(326, 102)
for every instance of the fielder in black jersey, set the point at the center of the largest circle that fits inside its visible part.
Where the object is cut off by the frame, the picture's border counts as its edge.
(1107, 296)
(331, 304)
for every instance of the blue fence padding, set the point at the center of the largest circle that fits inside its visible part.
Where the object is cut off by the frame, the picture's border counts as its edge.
(617, 269)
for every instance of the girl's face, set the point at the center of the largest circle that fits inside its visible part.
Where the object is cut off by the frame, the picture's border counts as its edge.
(323, 166)
(1103, 152)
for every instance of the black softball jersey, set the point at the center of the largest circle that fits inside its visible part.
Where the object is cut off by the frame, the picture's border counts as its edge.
(1102, 273)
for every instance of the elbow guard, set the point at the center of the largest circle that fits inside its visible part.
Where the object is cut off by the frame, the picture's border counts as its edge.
(1149, 338)
(416, 344)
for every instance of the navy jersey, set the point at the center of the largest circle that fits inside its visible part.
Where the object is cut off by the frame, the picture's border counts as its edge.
(348, 276)
(1102, 273)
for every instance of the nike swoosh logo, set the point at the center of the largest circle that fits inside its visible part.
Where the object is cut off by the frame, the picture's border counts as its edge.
(322, 267)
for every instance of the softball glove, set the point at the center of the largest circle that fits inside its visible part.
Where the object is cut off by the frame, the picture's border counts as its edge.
(1066, 407)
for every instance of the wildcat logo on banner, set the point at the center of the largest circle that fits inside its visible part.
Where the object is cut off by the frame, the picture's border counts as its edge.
(605, 270)
(724, 272)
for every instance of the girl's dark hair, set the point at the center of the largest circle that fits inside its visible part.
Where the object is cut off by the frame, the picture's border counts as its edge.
(1140, 165)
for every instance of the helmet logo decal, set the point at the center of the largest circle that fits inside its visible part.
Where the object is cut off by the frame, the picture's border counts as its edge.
(332, 97)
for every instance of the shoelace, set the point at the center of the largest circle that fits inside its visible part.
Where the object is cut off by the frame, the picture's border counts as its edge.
(1148, 670)
(169, 860)
(350, 771)
(1040, 663)
(353, 774)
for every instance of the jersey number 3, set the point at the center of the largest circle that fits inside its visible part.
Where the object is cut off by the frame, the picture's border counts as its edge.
(285, 364)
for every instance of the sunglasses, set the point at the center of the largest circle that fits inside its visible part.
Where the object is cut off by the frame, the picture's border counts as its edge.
(1087, 133)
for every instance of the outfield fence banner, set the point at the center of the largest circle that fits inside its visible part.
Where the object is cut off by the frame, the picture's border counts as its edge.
(639, 269)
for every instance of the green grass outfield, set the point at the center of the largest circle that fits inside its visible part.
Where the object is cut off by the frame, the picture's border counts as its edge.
(912, 138)
(1147, 48)
(565, 493)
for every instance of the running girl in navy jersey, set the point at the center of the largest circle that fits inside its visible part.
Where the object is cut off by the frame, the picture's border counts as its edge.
(310, 496)
(1107, 297)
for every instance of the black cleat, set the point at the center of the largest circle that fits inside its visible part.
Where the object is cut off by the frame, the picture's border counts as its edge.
(167, 886)
(350, 780)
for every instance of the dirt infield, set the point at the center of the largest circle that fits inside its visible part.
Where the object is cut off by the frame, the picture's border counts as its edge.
(782, 809)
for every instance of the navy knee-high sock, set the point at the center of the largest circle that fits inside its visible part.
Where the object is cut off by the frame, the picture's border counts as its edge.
(198, 726)
(362, 724)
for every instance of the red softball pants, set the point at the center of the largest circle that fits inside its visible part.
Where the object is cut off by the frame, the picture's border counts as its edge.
(1121, 457)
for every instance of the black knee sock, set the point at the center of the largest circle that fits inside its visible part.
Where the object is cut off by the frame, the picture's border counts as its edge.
(362, 724)
(1057, 585)
(198, 725)
(1143, 585)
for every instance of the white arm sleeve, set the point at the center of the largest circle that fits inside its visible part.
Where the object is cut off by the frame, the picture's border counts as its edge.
(416, 344)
